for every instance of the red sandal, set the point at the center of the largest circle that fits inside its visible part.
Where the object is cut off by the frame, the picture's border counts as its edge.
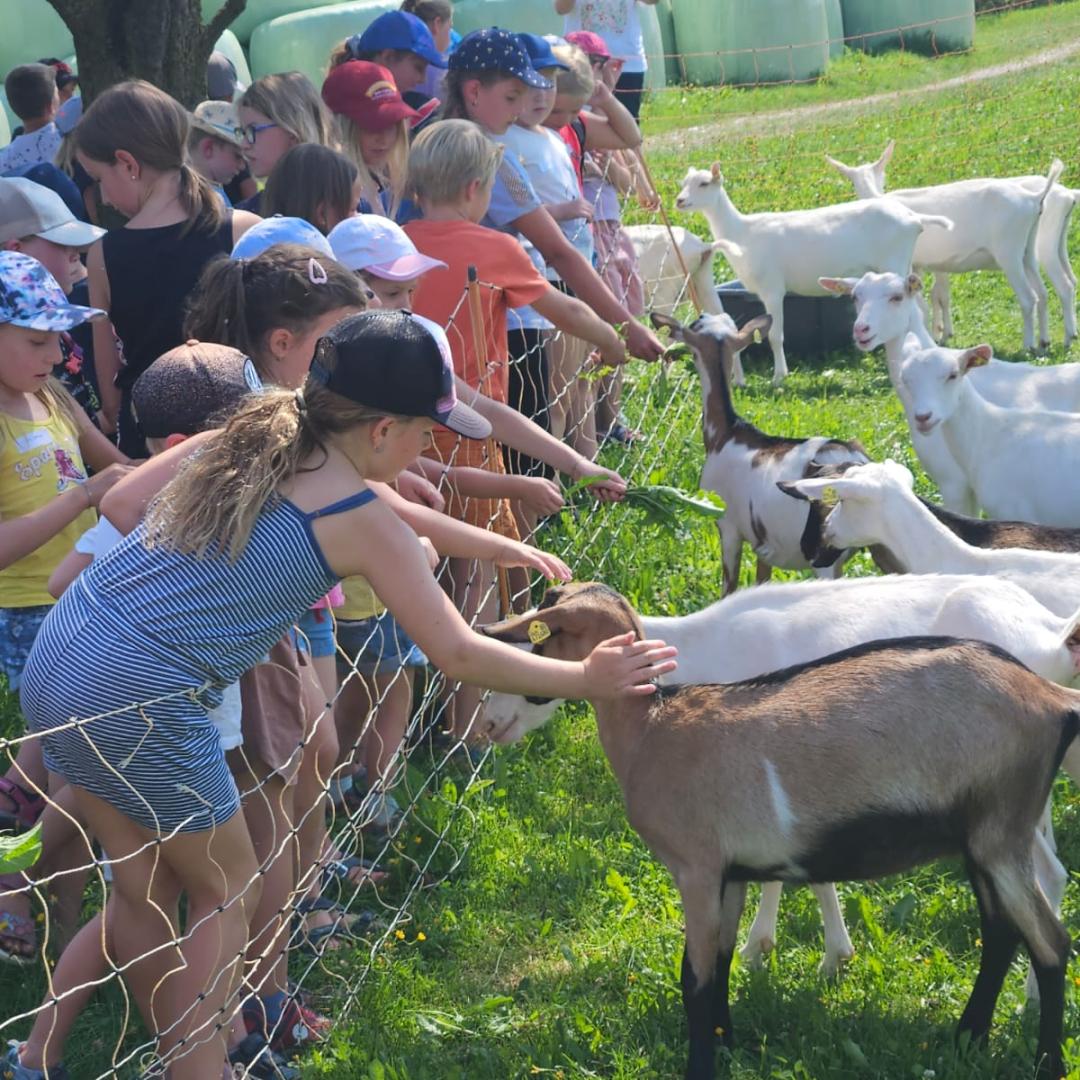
(28, 806)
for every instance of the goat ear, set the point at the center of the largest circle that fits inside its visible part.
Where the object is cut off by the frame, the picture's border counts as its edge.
(913, 284)
(745, 336)
(839, 166)
(791, 487)
(514, 631)
(886, 155)
(662, 322)
(714, 168)
(842, 286)
(977, 357)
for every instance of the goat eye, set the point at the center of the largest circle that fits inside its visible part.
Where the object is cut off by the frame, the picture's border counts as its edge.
(953, 377)
(895, 299)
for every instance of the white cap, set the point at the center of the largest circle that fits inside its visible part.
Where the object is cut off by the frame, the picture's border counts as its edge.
(380, 246)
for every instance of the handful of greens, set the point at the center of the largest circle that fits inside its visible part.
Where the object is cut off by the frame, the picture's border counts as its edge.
(666, 506)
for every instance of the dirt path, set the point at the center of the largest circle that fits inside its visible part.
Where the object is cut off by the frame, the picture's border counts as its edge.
(788, 119)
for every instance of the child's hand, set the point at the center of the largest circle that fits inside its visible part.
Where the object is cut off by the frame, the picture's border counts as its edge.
(100, 483)
(572, 210)
(613, 351)
(515, 553)
(648, 199)
(419, 489)
(430, 553)
(624, 667)
(642, 342)
(611, 487)
(540, 495)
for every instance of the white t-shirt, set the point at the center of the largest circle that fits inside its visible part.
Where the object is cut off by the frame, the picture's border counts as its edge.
(617, 22)
(34, 149)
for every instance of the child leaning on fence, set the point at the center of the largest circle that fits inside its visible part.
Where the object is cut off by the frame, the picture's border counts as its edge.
(451, 170)
(268, 517)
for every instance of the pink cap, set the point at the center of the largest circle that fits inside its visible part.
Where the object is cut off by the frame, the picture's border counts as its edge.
(590, 43)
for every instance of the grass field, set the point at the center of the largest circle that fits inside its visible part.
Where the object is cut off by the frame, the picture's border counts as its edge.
(553, 948)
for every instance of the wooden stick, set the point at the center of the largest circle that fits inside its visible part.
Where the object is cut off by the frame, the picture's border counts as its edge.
(476, 311)
(691, 288)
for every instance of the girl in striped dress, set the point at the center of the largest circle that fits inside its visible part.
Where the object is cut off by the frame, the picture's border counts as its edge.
(272, 512)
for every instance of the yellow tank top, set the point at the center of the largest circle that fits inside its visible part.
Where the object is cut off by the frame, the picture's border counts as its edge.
(39, 459)
(360, 600)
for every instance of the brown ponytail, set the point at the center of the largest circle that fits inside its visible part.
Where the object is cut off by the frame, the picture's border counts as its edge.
(153, 128)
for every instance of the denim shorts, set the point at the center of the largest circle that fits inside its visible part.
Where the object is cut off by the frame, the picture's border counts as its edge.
(18, 628)
(314, 633)
(379, 646)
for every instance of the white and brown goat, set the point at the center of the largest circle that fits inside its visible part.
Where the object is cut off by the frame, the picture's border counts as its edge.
(743, 465)
(865, 763)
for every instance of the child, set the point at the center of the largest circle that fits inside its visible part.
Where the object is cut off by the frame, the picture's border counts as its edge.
(33, 97)
(398, 41)
(438, 17)
(37, 222)
(189, 390)
(489, 73)
(315, 183)
(451, 169)
(46, 501)
(277, 112)
(274, 510)
(214, 145)
(133, 142)
(373, 127)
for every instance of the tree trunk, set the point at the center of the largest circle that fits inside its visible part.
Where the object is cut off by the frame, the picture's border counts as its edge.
(162, 41)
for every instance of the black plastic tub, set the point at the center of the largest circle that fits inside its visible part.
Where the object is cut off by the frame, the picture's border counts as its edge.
(813, 325)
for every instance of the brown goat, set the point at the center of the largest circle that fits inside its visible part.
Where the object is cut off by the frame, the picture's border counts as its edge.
(865, 763)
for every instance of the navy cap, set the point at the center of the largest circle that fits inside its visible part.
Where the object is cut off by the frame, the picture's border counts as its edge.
(400, 30)
(540, 53)
(497, 50)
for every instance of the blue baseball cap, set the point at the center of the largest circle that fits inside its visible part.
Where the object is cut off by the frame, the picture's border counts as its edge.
(497, 50)
(30, 297)
(539, 50)
(400, 30)
(280, 230)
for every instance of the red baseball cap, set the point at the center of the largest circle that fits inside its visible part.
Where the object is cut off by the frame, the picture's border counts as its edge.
(591, 43)
(365, 93)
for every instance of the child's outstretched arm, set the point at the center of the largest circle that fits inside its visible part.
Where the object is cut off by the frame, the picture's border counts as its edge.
(517, 431)
(616, 668)
(537, 492)
(573, 317)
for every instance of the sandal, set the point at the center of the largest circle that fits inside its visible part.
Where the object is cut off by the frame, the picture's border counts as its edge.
(12, 1068)
(340, 872)
(620, 433)
(21, 929)
(27, 806)
(343, 929)
(296, 1026)
(259, 1061)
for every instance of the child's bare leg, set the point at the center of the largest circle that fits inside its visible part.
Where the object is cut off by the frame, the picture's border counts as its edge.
(581, 416)
(184, 996)
(560, 375)
(608, 400)
(316, 767)
(395, 694)
(268, 811)
(352, 716)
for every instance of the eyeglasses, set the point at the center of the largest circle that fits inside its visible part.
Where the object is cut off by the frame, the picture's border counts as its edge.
(250, 132)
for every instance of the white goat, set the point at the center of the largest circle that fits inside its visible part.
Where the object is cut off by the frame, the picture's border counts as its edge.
(665, 284)
(995, 223)
(861, 764)
(876, 504)
(743, 465)
(886, 311)
(774, 626)
(1022, 464)
(778, 253)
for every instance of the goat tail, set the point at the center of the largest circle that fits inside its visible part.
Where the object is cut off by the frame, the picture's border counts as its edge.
(935, 221)
(729, 248)
(1070, 638)
(1057, 167)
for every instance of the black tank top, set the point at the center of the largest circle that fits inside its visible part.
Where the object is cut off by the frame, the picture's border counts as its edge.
(151, 274)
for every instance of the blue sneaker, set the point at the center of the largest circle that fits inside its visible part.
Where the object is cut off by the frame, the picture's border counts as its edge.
(14, 1069)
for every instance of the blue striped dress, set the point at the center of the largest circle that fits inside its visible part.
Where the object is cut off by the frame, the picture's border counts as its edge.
(144, 641)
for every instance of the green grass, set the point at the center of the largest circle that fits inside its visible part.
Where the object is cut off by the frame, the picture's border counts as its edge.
(999, 38)
(553, 948)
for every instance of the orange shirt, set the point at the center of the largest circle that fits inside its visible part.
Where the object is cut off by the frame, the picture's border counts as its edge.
(507, 278)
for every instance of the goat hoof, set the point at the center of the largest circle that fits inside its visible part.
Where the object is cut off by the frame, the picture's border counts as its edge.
(753, 953)
(833, 964)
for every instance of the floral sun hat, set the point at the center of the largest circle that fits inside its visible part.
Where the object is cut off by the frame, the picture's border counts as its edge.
(30, 297)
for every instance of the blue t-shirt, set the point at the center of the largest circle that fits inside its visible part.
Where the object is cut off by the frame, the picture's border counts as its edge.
(512, 196)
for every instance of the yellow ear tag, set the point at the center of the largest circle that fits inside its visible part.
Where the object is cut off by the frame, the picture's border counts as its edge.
(829, 496)
(539, 632)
